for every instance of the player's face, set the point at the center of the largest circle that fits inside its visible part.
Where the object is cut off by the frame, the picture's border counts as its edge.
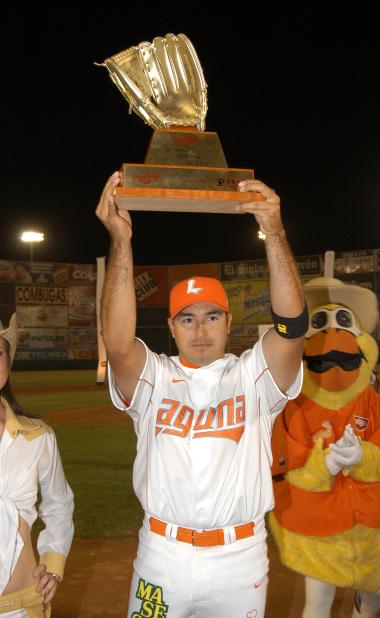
(200, 332)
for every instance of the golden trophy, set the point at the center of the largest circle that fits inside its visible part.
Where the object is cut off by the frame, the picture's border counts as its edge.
(185, 169)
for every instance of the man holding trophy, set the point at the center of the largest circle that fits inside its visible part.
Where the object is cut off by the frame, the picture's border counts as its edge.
(203, 419)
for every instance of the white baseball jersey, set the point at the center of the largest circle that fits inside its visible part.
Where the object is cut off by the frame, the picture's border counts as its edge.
(204, 438)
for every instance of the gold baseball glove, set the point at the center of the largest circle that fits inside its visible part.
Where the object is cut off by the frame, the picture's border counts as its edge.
(162, 81)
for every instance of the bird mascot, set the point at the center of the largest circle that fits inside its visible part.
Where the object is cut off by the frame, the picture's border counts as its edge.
(326, 455)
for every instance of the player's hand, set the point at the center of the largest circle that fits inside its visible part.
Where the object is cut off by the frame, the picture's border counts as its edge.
(118, 222)
(47, 583)
(267, 211)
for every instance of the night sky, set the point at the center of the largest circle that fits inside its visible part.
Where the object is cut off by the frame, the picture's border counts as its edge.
(295, 96)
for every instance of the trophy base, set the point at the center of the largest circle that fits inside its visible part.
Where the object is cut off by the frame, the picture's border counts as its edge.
(184, 171)
(136, 175)
(183, 200)
(185, 146)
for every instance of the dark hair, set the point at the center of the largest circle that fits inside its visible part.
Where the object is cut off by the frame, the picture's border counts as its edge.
(7, 392)
(17, 408)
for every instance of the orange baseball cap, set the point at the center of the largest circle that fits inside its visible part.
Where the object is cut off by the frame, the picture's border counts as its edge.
(197, 290)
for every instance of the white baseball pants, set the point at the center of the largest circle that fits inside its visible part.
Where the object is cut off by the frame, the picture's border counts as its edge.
(172, 579)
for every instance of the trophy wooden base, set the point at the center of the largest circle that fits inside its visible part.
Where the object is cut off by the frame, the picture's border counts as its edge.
(183, 200)
(186, 172)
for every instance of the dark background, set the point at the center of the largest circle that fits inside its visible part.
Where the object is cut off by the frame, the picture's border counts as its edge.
(295, 95)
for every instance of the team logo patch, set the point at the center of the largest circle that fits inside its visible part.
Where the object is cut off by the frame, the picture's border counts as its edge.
(152, 601)
(361, 423)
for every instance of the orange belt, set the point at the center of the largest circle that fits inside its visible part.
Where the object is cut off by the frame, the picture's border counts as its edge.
(205, 538)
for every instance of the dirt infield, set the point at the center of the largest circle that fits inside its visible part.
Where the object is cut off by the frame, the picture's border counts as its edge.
(98, 571)
(99, 416)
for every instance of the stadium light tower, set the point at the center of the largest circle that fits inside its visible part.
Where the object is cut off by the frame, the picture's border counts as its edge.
(32, 237)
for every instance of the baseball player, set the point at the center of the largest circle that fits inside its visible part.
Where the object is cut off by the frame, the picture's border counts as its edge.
(203, 422)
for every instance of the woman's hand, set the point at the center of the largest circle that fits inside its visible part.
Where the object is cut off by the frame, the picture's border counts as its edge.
(47, 583)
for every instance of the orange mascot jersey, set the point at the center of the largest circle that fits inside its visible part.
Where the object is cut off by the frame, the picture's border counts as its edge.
(350, 501)
(326, 520)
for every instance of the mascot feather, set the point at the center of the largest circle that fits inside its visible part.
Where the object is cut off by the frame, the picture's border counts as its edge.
(326, 454)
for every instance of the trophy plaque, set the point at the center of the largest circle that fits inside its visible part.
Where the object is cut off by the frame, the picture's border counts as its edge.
(185, 169)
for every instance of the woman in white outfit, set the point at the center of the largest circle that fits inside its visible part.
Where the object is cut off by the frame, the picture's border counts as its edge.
(29, 460)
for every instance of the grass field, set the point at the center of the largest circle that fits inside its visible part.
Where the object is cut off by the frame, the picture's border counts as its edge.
(97, 459)
(97, 454)
(44, 392)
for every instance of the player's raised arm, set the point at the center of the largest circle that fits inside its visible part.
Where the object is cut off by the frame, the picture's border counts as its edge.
(125, 355)
(283, 345)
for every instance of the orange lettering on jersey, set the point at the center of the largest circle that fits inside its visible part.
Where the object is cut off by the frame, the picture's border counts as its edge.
(182, 422)
(205, 419)
(165, 415)
(171, 422)
(227, 420)
(240, 412)
(225, 407)
(232, 434)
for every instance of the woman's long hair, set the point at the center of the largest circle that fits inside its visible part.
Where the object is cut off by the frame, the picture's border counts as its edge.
(7, 393)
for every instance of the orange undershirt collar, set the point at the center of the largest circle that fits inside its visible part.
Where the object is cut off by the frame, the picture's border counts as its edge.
(187, 364)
